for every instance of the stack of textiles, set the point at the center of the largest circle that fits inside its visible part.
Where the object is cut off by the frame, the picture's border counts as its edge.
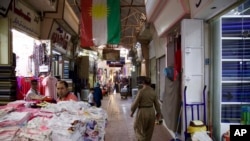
(8, 133)
(70, 127)
(14, 118)
(68, 112)
(5, 110)
(64, 121)
(35, 130)
(7, 84)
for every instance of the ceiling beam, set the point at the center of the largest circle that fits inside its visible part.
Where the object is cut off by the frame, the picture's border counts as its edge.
(124, 6)
(128, 36)
(134, 8)
(129, 12)
(129, 16)
(131, 25)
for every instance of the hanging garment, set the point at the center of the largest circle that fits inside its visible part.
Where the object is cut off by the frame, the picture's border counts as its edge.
(49, 83)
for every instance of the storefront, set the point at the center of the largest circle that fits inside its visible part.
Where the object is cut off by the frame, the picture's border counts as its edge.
(32, 56)
(61, 27)
(230, 81)
(7, 64)
(186, 33)
(62, 50)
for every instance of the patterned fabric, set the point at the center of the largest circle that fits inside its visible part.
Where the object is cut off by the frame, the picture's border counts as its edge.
(41, 57)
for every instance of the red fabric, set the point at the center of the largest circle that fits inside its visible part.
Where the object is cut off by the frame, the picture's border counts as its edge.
(177, 63)
(86, 24)
(24, 87)
(41, 88)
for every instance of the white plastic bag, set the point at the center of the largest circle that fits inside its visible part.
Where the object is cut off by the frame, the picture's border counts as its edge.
(201, 136)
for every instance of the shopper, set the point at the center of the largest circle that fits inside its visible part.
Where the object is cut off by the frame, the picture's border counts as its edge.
(63, 92)
(97, 95)
(33, 93)
(91, 97)
(146, 102)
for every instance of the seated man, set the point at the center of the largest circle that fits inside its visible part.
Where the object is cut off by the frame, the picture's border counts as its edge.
(63, 93)
(33, 94)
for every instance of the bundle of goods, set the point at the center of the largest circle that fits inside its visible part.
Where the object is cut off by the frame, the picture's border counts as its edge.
(64, 121)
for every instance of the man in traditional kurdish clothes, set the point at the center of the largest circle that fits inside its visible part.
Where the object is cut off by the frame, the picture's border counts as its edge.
(147, 103)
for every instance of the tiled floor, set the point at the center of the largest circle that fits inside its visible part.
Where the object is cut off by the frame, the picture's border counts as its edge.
(120, 124)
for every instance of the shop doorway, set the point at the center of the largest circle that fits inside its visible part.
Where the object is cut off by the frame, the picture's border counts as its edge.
(33, 61)
(32, 55)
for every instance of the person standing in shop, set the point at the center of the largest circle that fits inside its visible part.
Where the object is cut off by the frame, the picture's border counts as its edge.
(33, 93)
(91, 97)
(63, 92)
(147, 103)
(97, 95)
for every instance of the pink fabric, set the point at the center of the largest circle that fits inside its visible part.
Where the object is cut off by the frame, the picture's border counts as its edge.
(16, 104)
(7, 122)
(70, 96)
(8, 133)
(41, 88)
(49, 83)
(44, 114)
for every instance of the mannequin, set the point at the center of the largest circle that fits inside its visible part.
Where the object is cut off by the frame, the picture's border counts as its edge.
(49, 82)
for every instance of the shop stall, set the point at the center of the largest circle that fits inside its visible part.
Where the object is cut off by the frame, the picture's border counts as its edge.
(31, 56)
(33, 61)
(64, 121)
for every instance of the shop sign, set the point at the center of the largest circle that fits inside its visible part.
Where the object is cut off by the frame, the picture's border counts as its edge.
(121, 62)
(44, 68)
(59, 36)
(25, 19)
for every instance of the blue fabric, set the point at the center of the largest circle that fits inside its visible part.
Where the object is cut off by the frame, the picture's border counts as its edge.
(169, 72)
(98, 96)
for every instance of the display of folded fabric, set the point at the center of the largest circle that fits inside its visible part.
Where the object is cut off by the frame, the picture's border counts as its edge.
(64, 121)
(14, 118)
(8, 133)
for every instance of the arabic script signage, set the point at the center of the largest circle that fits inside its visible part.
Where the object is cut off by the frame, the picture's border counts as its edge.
(59, 37)
(25, 19)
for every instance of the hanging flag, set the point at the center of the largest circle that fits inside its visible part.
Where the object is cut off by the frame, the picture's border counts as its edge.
(100, 22)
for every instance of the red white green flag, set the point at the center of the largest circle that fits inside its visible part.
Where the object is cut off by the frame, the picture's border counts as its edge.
(100, 22)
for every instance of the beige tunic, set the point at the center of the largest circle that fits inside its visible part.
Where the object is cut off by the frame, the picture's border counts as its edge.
(146, 102)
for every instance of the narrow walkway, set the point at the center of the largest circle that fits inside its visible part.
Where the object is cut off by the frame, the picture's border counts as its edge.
(120, 124)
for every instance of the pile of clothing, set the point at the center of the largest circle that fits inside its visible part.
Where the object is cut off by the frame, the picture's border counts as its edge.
(64, 121)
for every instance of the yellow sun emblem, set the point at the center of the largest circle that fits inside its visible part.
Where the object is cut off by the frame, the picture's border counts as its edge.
(99, 11)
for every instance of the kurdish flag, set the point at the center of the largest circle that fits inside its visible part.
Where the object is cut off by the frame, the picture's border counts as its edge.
(100, 22)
